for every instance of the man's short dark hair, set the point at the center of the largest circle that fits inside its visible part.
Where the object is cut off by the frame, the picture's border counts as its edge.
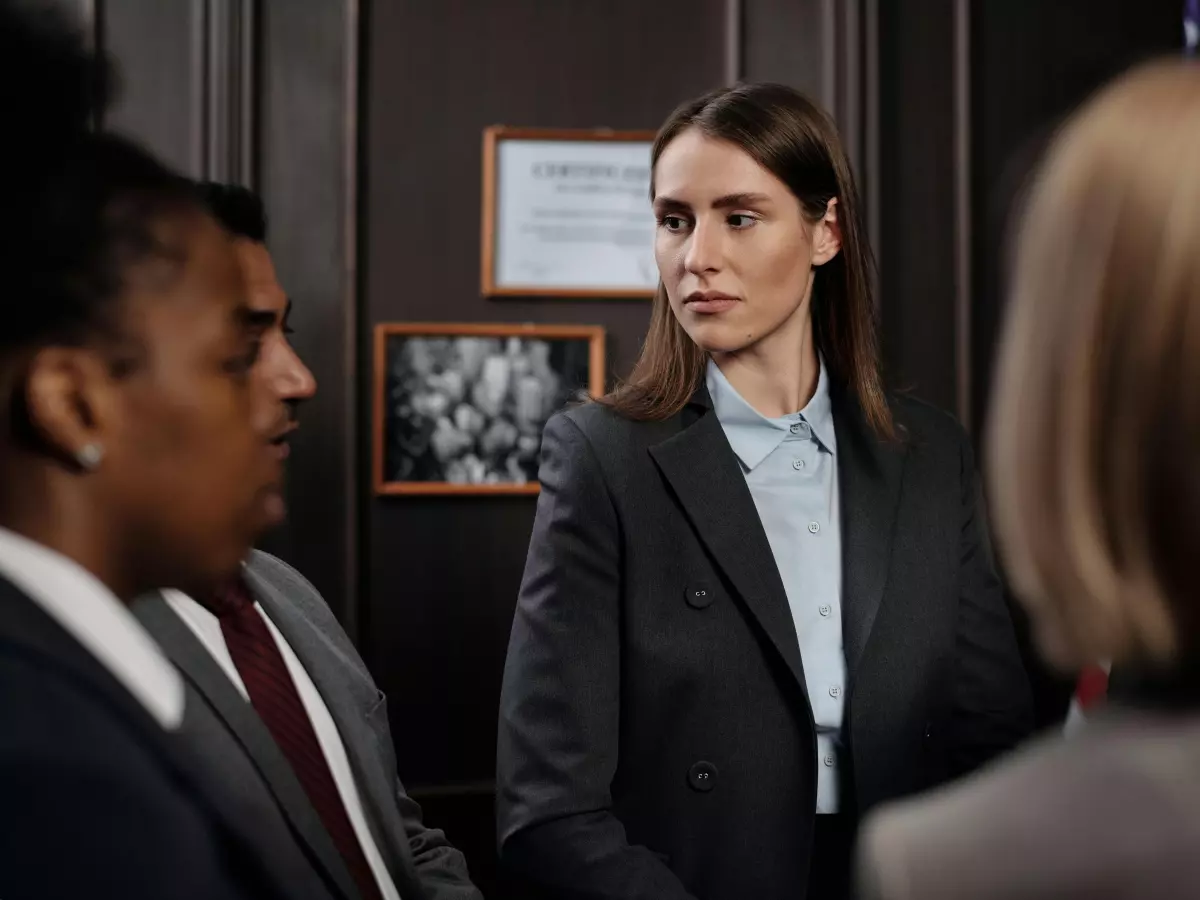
(237, 208)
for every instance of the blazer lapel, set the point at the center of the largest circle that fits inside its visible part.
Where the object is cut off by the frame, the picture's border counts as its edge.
(870, 473)
(207, 678)
(328, 668)
(704, 473)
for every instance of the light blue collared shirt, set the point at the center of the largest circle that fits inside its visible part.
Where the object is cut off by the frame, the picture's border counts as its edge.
(790, 464)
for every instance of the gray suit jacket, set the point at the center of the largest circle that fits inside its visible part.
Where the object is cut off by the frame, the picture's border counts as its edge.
(1112, 814)
(226, 730)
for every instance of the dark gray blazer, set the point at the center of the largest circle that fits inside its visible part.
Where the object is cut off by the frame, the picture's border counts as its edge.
(1113, 813)
(656, 745)
(226, 730)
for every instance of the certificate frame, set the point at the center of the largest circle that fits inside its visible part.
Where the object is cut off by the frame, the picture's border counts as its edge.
(493, 137)
(586, 362)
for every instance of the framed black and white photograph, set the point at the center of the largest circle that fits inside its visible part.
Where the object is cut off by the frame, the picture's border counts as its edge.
(460, 408)
(567, 213)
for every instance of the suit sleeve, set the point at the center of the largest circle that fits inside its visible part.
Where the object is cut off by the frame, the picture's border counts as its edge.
(441, 869)
(992, 708)
(560, 698)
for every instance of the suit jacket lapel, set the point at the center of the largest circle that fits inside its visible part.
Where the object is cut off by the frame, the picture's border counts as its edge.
(870, 473)
(327, 666)
(205, 675)
(704, 473)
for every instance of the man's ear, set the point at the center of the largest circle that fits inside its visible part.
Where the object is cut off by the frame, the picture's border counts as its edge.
(827, 235)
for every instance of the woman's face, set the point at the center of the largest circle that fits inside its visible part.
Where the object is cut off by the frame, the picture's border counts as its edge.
(734, 250)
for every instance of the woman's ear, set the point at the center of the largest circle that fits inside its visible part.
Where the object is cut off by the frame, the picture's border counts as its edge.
(65, 392)
(827, 235)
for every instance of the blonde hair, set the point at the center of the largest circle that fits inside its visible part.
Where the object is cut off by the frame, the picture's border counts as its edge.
(1095, 437)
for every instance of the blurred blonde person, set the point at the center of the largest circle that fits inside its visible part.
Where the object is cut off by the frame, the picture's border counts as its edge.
(1093, 456)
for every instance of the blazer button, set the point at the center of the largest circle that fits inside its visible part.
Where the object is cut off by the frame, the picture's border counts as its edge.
(702, 776)
(699, 596)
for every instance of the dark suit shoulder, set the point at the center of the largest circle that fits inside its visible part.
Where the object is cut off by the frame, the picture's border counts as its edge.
(607, 431)
(276, 570)
(924, 423)
(299, 593)
(56, 712)
(79, 780)
(285, 593)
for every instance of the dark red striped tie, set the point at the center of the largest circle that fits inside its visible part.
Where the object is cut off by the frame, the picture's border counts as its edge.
(278, 704)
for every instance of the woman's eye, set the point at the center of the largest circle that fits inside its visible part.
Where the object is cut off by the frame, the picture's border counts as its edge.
(672, 223)
(741, 220)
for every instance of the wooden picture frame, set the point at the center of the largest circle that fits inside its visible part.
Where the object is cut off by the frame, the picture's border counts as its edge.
(474, 429)
(595, 226)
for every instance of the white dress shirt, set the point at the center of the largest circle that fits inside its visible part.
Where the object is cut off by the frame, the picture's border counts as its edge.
(88, 611)
(207, 628)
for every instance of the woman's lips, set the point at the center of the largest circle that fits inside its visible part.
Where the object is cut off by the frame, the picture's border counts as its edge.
(709, 304)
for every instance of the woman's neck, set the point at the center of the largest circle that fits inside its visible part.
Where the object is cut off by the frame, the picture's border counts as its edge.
(777, 375)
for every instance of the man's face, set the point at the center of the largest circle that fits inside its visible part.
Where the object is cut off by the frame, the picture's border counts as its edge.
(193, 432)
(278, 365)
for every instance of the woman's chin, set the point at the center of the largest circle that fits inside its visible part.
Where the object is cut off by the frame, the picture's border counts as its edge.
(718, 337)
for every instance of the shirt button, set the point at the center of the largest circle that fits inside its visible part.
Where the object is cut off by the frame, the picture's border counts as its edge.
(797, 464)
(795, 429)
(835, 691)
(829, 760)
(825, 610)
(813, 527)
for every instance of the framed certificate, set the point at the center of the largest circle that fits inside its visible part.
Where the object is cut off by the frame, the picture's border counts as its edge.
(566, 213)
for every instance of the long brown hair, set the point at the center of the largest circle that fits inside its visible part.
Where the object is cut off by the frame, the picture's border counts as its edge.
(795, 140)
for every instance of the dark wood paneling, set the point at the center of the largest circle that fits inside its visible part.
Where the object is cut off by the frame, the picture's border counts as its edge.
(916, 196)
(805, 59)
(160, 49)
(1032, 62)
(308, 131)
(188, 79)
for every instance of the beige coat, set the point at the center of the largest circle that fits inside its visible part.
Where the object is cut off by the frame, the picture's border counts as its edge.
(1111, 814)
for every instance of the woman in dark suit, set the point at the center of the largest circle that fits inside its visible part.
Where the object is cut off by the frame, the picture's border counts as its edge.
(759, 598)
